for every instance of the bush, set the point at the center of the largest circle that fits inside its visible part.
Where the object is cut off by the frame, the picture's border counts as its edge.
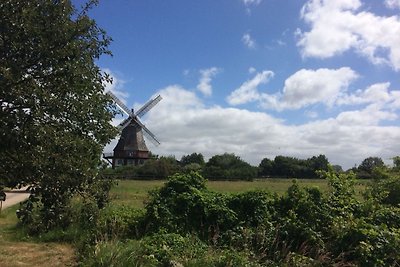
(118, 254)
(184, 205)
(185, 224)
(120, 222)
(368, 244)
(253, 208)
(164, 249)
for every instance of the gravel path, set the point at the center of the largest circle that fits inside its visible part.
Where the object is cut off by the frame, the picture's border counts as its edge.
(14, 197)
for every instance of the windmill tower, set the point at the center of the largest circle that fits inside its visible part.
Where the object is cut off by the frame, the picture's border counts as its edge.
(131, 148)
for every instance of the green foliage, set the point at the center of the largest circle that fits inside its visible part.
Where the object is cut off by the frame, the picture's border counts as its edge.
(165, 249)
(367, 167)
(185, 224)
(253, 208)
(229, 167)
(159, 168)
(119, 254)
(396, 163)
(266, 167)
(342, 194)
(54, 114)
(302, 216)
(385, 189)
(119, 222)
(368, 244)
(291, 167)
(192, 158)
(184, 205)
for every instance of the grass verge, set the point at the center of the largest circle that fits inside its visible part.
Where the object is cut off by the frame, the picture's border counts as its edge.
(16, 249)
(133, 193)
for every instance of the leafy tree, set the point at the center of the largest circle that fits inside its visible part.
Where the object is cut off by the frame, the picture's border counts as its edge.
(368, 165)
(265, 167)
(54, 115)
(285, 166)
(158, 168)
(228, 166)
(396, 162)
(319, 163)
(192, 158)
(337, 168)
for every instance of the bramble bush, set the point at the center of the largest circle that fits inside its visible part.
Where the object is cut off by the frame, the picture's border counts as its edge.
(185, 224)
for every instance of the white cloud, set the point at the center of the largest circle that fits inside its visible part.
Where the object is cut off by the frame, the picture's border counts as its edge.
(337, 26)
(303, 88)
(375, 93)
(396, 100)
(280, 42)
(115, 86)
(186, 72)
(248, 91)
(392, 3)
(204, 85)
(248, 41)
(371, 115)
(307, 87)
(311, 114)
(185, 125)
(252, 70)
(251, 2)
(378, 96)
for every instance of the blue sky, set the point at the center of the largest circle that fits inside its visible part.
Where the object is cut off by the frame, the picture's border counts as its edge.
(260, 78)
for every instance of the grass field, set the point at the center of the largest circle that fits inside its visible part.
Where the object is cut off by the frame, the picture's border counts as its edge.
(134, 192)
(18, 250)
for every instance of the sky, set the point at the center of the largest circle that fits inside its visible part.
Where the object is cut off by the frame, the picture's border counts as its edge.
(260, 78)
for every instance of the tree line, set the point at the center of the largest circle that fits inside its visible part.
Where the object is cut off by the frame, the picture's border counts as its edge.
(229, 166)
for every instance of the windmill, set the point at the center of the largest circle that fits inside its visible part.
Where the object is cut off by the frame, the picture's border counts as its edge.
(131, 148)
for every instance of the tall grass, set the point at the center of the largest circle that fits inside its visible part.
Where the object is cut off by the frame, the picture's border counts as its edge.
(134, 192)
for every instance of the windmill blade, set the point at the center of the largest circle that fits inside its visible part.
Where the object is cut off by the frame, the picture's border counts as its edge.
(124, 123)
(149, 105)
(151, 136)
(148, 134)
(120, 104)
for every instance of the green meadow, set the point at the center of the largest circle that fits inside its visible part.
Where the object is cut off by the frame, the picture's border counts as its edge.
(134, 192)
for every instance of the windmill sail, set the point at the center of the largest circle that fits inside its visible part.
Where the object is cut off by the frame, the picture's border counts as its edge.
(149, 105)
(148, 134)
(131, 147)
(120, 104)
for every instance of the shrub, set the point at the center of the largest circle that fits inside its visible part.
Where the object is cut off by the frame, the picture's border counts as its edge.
(118, 254)
(120, 222)
(369, 245)
(252, 208)
(184, 205)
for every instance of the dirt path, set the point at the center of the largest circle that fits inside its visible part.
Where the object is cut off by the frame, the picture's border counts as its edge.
(14, 197)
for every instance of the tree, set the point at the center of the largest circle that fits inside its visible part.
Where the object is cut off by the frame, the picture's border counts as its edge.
(319, 163)
(54, 115)
(158, 168)
(337, 168)
(265, 167)
(396, 162)
(368, 165)
(192, 158)
(228, 166)
(285, 166)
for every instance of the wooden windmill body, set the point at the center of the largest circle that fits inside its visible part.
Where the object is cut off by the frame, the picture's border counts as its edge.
(131, 148)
